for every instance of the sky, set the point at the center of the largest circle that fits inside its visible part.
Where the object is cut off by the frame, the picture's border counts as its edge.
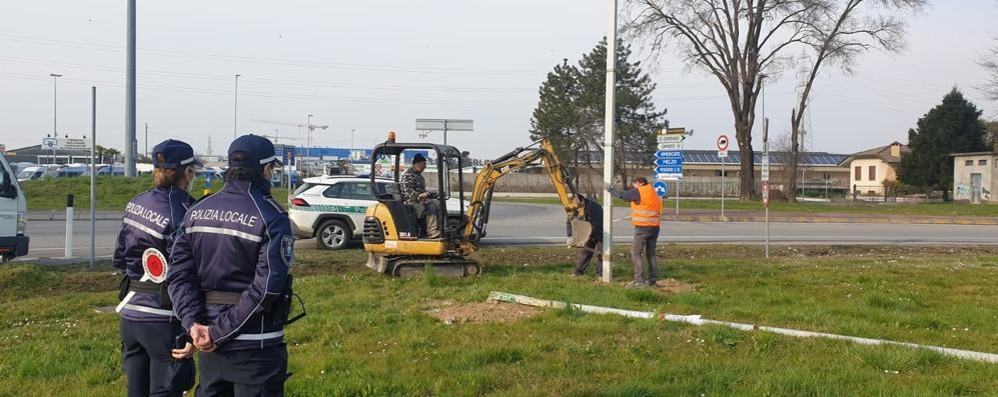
(374, 66)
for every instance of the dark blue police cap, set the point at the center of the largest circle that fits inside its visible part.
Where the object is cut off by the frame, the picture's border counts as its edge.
(175, 153)
(258, 151)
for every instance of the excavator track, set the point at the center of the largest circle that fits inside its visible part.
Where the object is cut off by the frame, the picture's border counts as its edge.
(415, 266)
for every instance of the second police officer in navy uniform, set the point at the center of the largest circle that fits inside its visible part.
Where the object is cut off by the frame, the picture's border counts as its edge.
(230, 283)
(154, 364)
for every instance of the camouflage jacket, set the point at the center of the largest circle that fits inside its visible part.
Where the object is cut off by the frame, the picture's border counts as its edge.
(412, 185)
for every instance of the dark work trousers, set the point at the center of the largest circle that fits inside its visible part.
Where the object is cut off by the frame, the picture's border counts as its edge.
(146, 349)
(244, 373)
(592, 247)
(645, 238)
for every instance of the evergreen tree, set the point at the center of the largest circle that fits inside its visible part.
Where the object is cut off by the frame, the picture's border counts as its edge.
(954, 126)
(572, 108)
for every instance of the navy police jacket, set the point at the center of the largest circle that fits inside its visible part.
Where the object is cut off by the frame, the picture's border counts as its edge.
(151, 220)
(237, 241)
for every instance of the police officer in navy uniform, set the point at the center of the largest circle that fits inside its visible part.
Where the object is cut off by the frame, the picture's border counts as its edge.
(230, 283)
(153, 363)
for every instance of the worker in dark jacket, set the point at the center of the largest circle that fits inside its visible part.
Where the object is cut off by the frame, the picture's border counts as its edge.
(592, 213)
(154, 365)
(231, 286)
(423, 203)
(646, 209)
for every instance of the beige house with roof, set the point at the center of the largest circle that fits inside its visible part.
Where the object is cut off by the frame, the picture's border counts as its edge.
(869, 169)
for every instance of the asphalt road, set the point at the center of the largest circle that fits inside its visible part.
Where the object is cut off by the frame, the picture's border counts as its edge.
(545, 224)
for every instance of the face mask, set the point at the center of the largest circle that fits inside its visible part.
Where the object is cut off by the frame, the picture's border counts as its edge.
(190, 181)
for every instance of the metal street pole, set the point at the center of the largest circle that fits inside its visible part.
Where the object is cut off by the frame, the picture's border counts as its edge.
(308, 133)
(93, 175)
(130, 94)
(147, 141)
(722, 187)
(765, 153)
(55, 110)
(235, 109)
(608, 138)
(352, 131)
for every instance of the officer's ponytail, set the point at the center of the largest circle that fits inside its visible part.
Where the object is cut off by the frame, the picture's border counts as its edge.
(242, 173)
(166, 177)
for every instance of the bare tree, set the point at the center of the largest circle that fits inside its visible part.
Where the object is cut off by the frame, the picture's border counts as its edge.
(737, 41)
(840, 33)
(990, 64)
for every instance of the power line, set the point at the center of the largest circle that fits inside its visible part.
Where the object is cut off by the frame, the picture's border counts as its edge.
(264, 60)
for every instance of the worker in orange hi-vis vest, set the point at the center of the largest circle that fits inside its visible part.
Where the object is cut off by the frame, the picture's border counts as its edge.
(646, 207)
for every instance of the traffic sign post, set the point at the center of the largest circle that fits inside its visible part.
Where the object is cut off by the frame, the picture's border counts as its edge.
(669, 161)
(722, 152)
(765, 176)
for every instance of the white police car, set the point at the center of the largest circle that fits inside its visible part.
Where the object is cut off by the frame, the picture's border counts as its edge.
(332, 208)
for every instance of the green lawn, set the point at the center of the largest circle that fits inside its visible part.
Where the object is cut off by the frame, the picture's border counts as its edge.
(844, 207)
(370, 335)
(113, 192)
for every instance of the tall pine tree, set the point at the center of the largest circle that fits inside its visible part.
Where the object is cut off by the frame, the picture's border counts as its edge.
(571, 110)
(954, 126)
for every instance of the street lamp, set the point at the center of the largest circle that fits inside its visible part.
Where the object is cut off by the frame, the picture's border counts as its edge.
(55, 108)
(308, 137)
(235, 109)
(352, 131)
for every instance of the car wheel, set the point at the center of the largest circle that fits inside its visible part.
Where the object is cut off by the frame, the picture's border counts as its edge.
(333, 235)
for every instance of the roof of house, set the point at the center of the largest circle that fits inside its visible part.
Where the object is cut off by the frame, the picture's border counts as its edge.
(974, 154)
(882, 153)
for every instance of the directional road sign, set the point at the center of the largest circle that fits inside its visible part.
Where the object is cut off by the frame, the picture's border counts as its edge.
(667, 154)
(669, 170)
(668, 177)
(661, 188)
(672, 161)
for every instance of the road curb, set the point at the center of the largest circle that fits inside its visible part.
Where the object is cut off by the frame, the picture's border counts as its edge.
(874, 220)
(78, 215)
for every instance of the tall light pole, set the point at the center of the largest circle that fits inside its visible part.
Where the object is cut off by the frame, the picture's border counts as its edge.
(352, 131)
(130, 141)
(235, 109)
(308, 137)
(611, 79)
(55, 109)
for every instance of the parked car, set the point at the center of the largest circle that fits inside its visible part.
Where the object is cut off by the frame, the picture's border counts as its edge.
(332, 208)
(13, 214)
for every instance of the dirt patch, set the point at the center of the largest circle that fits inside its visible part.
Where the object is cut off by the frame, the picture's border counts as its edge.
(674, 286)
(483, 313)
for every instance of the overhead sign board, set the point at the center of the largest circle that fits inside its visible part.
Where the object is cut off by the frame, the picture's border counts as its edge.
(50, 143)
(445, 124)
(74, 144)
(668, 177)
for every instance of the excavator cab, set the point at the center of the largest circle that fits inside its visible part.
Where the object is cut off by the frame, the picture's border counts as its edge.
(394, 238)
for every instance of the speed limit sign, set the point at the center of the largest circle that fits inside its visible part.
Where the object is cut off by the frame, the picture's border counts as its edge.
(722, 146)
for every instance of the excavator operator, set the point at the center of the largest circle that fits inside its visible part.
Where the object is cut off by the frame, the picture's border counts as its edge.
(415, 196)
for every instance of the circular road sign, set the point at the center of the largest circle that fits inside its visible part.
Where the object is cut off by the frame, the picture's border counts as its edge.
(722, 142)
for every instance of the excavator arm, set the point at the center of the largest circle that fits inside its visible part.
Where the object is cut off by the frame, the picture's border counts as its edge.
(481, 196)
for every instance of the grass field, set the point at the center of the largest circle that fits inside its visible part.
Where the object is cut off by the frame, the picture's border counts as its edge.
(370, 335)
(844, 207)
(112, 192)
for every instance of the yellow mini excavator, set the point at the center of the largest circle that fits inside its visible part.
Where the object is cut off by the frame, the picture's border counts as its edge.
(395, 239)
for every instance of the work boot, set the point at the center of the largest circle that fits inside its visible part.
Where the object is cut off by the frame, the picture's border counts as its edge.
(636, 285)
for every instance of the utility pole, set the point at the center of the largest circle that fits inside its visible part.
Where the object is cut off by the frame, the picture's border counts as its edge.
(55, 109)
(147, 140)
(352, 131)
(611, 78)
(235, 109)
(130, 94)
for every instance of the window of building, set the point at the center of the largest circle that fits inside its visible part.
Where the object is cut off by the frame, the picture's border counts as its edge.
(873, 172)
(859, 173)
(983, 163)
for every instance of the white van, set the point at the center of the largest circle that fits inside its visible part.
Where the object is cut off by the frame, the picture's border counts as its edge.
(13, 214)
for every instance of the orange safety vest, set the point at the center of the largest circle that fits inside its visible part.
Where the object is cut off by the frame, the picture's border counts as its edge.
(646, 213)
